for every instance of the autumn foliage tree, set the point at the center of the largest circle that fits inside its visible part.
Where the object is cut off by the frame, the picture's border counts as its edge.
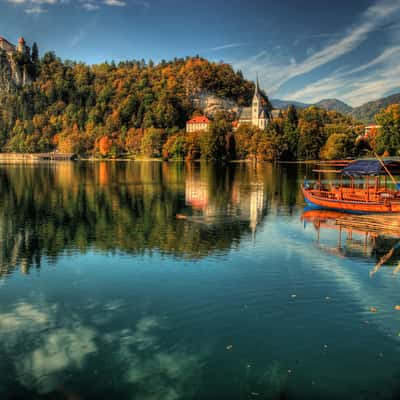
(137, 109)
(388, 138)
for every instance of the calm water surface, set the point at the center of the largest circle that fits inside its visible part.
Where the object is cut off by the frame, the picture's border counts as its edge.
(171, 281)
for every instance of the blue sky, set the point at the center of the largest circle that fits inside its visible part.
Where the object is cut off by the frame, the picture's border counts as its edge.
(303, 50)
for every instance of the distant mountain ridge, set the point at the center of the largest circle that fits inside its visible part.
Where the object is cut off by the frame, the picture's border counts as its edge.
(282, 104)
(365, 113)
(334, 105)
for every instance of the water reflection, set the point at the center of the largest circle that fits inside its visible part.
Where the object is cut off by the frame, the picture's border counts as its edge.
(51, 365)
(173, 281)
(362, 237)
(48, 210)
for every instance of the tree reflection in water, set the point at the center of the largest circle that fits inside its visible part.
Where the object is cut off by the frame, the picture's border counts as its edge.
(184, 210)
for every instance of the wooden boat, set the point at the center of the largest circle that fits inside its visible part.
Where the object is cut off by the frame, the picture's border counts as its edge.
(351, 195)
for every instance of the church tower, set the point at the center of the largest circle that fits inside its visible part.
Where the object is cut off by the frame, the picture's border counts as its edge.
(258, 113)
(256, 105)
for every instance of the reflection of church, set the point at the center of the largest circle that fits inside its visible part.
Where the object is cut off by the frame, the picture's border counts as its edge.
(256, 205)
(245, 202)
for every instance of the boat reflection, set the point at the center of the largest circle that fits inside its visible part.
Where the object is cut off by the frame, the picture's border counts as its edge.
(374, 238)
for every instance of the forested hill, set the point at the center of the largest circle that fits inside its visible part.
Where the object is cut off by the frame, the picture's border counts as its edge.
(77, 103)
(367, 111)
(137, 109)
(334, 105)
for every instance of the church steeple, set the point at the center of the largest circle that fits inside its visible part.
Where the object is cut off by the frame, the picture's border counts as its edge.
(256, 105)
(256, 91)
(257, 88)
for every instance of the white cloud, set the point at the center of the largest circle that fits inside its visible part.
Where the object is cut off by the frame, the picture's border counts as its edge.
(56, 341)
(35, 10)
(62, 348)
(76, 39)
(90, 6)
(277, 69)
(23, 316)
(115, 3)
(227, 46)
(17, 2)
(357, 85)
(36, 6)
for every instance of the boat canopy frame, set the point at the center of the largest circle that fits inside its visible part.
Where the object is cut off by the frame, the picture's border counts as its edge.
(372, 167)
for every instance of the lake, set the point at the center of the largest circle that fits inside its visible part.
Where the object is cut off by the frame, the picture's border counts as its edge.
(164, 281)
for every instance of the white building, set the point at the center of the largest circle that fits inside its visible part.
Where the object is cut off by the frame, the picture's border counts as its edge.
(257, 114)
(198, 124)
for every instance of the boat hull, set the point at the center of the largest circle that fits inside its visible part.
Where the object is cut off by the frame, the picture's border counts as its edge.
(359, 207)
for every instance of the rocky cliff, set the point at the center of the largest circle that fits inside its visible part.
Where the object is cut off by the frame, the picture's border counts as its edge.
(210, 104)
(15, 71)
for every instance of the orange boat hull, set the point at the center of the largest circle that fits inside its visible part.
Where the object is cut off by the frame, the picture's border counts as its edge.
(320, 201)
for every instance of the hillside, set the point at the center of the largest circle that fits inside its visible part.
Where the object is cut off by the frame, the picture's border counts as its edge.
(367, 111)
(364, 113)
(71, 105)
(334, 105)
(326, 104)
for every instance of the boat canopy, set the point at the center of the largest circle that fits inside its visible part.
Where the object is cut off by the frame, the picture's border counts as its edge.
(371, 167)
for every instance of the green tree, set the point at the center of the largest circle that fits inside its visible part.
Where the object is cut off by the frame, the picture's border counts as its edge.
(152, 142)
(35, 53)
(388, 140)
(291, 133)
(213, 143)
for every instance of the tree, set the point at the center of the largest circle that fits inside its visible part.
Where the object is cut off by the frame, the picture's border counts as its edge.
(213, 142)
(291, 133)
(389, 137)
(339, 145)
(104, 145)
(311, 137)
(242, 141)
(152, 142)
(192, 146)
(174, 147)
(35, 53)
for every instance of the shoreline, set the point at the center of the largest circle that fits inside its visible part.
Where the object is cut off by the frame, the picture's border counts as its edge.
(34, 158)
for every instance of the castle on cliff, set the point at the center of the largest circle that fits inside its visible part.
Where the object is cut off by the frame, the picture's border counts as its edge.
(10, 48)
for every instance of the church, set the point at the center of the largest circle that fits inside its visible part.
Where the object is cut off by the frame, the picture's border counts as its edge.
(257, 115)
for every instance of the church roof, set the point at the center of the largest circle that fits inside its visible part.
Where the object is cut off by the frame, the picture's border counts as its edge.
(257, 92)
(199, 120)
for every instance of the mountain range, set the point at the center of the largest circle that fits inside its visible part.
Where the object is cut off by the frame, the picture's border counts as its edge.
(365, 113)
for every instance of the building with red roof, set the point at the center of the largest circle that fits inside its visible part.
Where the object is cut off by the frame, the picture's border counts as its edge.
(371, 130)
(198, 124)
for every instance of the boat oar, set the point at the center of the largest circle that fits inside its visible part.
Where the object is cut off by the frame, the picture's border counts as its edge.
(382, 261)
(397, 186)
